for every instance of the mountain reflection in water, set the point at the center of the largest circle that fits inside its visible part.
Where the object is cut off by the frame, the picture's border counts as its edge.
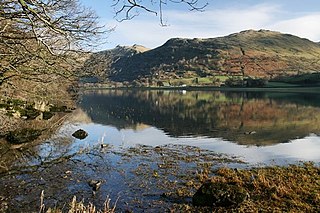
(246, 118)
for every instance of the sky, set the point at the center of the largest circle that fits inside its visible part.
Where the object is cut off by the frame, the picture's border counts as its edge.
(220, 18)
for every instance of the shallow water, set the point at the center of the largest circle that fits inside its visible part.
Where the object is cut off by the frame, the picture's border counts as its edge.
(143, 144)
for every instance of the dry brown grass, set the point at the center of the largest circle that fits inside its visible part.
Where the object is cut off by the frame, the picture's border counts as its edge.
(295, 188)
(79, 207)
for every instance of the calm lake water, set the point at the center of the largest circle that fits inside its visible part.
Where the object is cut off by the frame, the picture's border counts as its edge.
(259, 127)
(143, 144)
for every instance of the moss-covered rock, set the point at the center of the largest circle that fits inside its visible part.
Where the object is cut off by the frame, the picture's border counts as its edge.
(219, 194)
(16, 102)
(59, 109)
(29, 112)
(20, 109)
(23, 136)
(47, 115)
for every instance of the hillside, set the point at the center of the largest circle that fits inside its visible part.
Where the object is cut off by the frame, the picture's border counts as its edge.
(99, 65)
(256, 54)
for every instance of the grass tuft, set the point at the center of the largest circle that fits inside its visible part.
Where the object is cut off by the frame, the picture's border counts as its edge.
(79, 207)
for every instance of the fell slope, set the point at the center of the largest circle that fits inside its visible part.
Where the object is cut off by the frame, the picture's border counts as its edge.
(263, 54)
(99, 65)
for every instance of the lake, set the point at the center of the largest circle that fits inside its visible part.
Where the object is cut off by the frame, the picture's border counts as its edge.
(143, 143)
(260, 127)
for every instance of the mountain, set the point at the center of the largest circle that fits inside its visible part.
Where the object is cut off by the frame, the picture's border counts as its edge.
(257, 54)
(99, 65)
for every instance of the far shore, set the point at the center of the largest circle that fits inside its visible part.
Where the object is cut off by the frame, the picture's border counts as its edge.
(295, 89)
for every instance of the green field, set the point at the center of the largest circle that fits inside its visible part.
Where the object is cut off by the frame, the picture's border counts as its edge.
(197, 81)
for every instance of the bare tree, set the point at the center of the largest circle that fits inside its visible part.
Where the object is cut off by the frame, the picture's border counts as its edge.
(128, 9)
(44, 36)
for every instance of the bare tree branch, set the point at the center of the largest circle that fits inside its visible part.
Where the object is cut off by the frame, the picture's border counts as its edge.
(128, 9)
(45, 35)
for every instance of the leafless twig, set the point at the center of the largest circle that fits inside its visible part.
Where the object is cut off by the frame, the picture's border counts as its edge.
(128, 9)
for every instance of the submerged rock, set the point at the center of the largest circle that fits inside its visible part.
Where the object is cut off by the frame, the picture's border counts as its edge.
(80, 134)
(23, 136)
(95, 184)
(219, 194)
(250, 133)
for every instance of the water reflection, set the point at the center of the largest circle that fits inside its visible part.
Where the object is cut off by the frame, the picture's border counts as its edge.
(247, 118)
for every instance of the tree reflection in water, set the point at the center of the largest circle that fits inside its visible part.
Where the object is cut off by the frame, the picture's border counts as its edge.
(247, 118)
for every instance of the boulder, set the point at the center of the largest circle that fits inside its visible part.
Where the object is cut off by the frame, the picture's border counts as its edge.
(80, 134)
(219, 194)
(23, 136)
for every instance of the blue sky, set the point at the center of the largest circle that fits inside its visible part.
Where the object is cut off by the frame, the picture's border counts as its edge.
(220, 18)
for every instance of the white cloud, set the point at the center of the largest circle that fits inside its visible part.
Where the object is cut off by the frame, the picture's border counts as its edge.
(228, 19)
(145, 30)
(306, 26)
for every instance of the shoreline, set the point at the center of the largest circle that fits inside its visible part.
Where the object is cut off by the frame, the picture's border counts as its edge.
(315, 89)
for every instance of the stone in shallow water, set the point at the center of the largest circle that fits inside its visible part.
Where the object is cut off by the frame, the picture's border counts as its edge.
(219, 194)
(23, 136)
(95, 184)
(80, 134)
